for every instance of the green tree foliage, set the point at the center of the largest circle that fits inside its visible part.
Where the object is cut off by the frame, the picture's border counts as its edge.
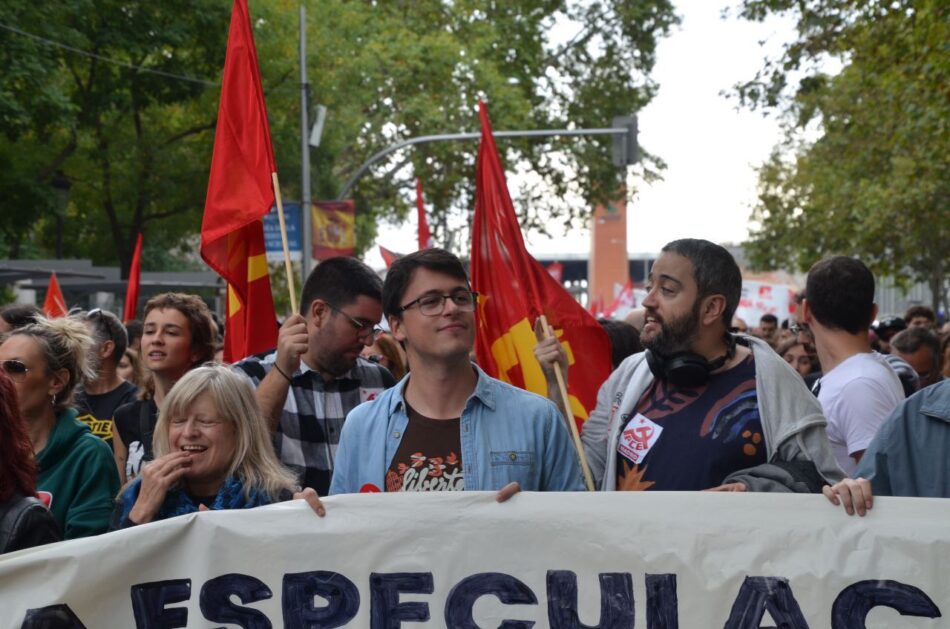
(876, 181)
(107, 116)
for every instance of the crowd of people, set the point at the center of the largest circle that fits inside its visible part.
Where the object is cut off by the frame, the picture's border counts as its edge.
(105, 425)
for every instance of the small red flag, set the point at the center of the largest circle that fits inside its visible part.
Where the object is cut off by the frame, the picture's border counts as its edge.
(55, 304)
(240, 193)
(388, 256)
(132, 290)
(515, 289)
(425, 236)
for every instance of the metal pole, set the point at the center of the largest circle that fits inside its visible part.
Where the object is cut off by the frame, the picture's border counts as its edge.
(306, 236)
(445, 137)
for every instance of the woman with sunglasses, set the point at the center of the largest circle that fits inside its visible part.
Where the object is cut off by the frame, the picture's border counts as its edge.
(77, 474)
(178, 335)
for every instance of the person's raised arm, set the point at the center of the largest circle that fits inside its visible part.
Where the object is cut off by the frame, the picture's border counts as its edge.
(549, 352)
(292, 343)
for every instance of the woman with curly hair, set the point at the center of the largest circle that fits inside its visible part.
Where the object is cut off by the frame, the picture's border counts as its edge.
(77, 474)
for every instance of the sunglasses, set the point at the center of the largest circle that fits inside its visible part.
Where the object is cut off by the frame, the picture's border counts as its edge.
(16, 369)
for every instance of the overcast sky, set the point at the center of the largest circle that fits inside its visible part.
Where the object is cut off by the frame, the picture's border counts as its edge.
(710, 148)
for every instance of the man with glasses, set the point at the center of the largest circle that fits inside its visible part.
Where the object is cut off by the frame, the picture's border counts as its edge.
(448, 426)
(315, 376)
(99, 398)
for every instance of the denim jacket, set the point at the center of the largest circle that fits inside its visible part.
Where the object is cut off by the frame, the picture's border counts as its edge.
(507, 434)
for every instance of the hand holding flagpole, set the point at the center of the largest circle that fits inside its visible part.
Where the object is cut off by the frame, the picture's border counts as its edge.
(568, 413)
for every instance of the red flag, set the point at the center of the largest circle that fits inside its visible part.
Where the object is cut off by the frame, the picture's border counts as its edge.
(515, 289)
(623, 303)
(388, 256)
(425, 236)
(55, 304)
(132, 290)
(240, 193)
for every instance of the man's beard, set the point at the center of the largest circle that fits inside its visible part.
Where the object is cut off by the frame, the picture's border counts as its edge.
(676, 335)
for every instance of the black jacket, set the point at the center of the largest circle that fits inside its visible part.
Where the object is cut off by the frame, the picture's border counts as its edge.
(25, 522)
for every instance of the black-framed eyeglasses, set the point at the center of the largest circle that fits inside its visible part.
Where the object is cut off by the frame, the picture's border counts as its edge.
(16, 369)
(433, 304)
(363, 328)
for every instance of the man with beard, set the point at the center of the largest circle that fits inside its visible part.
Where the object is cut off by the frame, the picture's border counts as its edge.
(315, 376)
(702, 408)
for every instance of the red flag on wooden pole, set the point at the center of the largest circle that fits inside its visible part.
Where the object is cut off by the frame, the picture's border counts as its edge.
(425, 236)
(55, 304)
(515, 289)
(132, 290)
(240, 193)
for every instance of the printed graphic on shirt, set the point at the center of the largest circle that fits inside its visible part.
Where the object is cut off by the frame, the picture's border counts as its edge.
(133, 464)
(369, 393)
(101, 428)
(708, 432)
(429, 456)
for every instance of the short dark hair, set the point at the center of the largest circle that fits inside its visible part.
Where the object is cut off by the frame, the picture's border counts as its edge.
(19, 315)
(912, 339)
(107, 327)
(339, 282)
(624, 339)
(840, 293)
(714, 270)
(920, 311)
(768, 318)
(401, 272)
(134, 329)
(203, 331)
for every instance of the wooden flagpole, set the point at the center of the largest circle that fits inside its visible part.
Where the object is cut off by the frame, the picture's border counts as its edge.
(568, 413)
(283, 240)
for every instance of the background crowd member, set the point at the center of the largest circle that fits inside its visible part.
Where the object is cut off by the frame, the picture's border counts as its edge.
(134, 329)
(887, 328)
(768, 329)
(24, 520)
(920, 316)
(97, 399)
(624, 340)
(17, 316)
(797, 355)
(212, 449)
(920, 348)
(701, 408)
(130, 368)
(315, 376)
(388, 353)
(945, 352)
(77, 475)
(858, 389)
(178, 335)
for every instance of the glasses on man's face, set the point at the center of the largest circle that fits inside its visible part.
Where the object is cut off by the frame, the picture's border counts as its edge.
(16, 369)
(363, 328)
(433, 304)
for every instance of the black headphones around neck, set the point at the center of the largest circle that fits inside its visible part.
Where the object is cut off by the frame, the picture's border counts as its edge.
(688, 369)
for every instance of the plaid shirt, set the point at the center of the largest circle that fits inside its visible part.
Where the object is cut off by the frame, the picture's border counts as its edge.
(310, 424)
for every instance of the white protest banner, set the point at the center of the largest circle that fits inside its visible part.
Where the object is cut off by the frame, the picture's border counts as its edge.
(759, 298)
(655, 560)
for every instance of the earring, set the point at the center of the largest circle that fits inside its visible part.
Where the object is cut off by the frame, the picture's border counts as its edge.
(53, 399)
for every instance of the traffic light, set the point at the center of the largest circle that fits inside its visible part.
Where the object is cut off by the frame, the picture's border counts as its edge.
(626, 151)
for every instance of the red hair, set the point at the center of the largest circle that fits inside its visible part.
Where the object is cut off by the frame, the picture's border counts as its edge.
(17, 467)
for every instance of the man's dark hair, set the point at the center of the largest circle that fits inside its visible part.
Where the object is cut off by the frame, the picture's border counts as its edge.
(714, 270)
(339, 282)
(20, 315)
(840, 293)
(912, 339)
(134, 329)
(107, 327)
(401, 272)
(920, 311)
(768, 318)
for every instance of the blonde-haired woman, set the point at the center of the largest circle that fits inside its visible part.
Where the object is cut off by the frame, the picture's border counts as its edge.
(77, 474)
(212, 451)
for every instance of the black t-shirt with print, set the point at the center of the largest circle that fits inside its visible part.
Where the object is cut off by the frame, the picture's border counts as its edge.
(692, 438)
(429, 457)
(98, 411)
(135, 424)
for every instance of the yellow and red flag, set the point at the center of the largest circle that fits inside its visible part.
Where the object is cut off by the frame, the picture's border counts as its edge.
(55, 304)
(515, 289)
(135, 277)
(240, 193)
(334, 229)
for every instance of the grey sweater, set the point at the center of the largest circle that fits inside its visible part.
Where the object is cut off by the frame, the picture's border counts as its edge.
(792, 423)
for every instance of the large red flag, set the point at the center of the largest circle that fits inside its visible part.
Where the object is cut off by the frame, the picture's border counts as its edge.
(514, 289)
(425, 236)
(132, 290)
(240, 193)
(55, 304)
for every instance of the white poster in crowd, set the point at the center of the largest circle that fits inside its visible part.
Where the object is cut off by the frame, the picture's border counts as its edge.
(759, 298)
(657, 560)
